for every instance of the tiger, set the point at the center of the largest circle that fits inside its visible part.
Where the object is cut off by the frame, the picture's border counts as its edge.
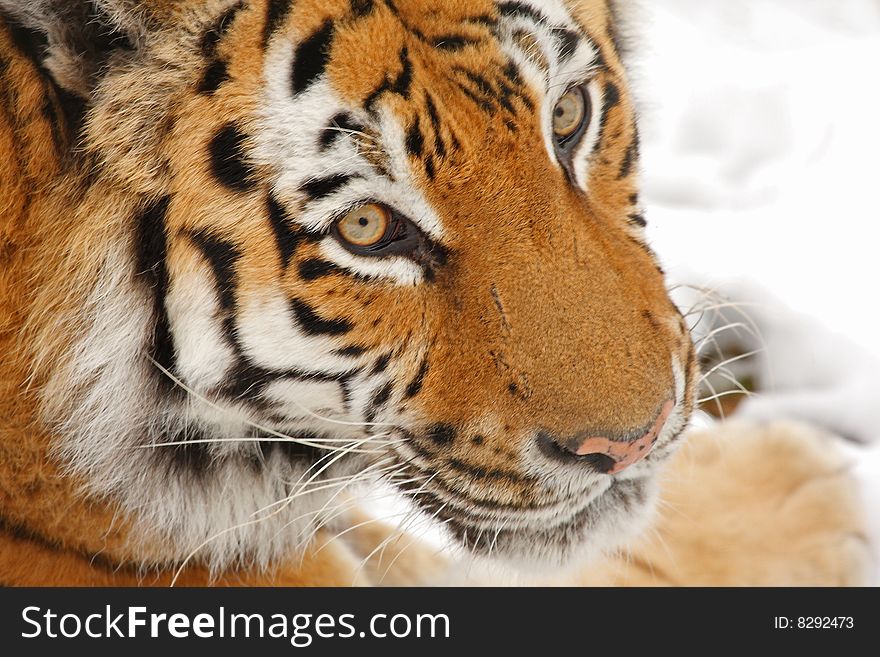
(257, 256)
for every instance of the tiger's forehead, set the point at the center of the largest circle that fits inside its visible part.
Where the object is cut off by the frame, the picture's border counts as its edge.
(368, 48)
(477, 67)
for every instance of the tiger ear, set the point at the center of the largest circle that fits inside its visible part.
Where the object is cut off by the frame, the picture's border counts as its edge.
(74, 39)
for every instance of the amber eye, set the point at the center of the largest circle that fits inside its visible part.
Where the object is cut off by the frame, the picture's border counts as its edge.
(570, 114)
(365, 226)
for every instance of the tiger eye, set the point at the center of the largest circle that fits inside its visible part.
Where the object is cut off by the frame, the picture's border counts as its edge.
(569, 113)
(365, 226)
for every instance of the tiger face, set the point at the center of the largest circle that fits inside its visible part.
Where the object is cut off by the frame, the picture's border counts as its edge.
(338, 239)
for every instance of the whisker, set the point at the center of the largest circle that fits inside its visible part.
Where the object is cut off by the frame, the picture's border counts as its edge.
(295, 441)
(280, 509)
(312, 478)
(355, 479)
(733, 380)
(340, 511)
(733, 326)
(341, 422)
(730, 360)
(719, 395)
(715, 397)
(413, 538)
(396, 536)
(195, 395)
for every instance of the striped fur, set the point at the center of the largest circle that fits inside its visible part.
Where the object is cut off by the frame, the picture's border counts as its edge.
(190, 336)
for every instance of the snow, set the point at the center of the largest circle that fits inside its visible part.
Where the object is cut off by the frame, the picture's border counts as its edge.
(760, 139)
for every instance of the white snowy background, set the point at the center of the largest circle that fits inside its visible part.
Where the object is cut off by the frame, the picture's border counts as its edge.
(761, 123)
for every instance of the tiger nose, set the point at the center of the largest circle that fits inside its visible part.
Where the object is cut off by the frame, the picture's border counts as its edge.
(610, 455)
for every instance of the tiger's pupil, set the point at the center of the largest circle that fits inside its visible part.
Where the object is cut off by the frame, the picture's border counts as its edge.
(569, 114)
(365, 226)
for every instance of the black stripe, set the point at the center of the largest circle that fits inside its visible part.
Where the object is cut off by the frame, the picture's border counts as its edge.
(631, 156)
(485, 20)
(441, 434)
(311, 58)
(292, 451)
(107, 37)
(315, 268)
(151, 249)
(434, 502)
(288, 236)
(378, 402)
(248, 381)
(361, 8)
(217, 71)
(353, 351)
(314, 324)
(482, 103)
(320, 188)
(568, 42)
(228, 159)
(486, 93)
(211, 38)
(425, 451)
(511, 72)
(96, 561)
(245, 380)
(439, 144)
(482, 84)
(480, 472)
(222, 256)
(374, 95)
(32, 45)
(276, 14)
(345, 390)
(520, 485)
(416, 384)
(637, 219)
(340, 126)
(415, 142)
(453, 42)
(505, 93)
(193, 459)
(215, 75)
(521, 10)
(53, 113)
(402, 83)
(610, 100)
(611, 96)
(381, 364)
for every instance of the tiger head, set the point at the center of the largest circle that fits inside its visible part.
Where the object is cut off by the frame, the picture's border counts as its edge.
(315, 242)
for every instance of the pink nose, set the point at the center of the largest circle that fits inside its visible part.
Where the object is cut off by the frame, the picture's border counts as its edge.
(625, 453)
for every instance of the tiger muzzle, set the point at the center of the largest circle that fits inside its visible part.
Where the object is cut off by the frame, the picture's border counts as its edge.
(607, 454)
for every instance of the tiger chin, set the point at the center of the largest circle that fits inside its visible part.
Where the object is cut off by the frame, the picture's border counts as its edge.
(261, 255)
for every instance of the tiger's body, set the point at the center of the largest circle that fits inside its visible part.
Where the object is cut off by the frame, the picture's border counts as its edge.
(200, 347)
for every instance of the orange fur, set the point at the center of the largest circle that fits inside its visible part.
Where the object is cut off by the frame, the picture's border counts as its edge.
(69, 218)
(551, 313)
